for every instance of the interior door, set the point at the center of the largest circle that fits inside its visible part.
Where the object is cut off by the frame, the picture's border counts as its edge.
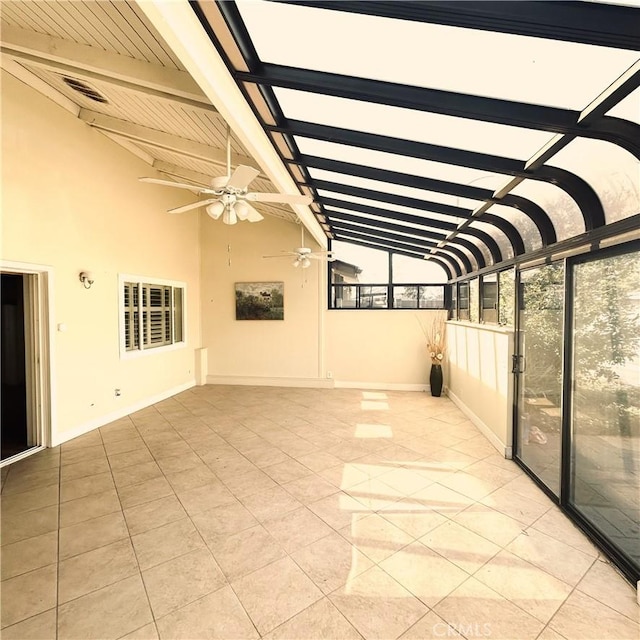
(538, 369)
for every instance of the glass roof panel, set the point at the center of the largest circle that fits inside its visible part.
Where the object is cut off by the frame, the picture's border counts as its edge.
(374, 263)
(370, 226)
(486, 254)
(497, 235)
(454, 257)
(628, 108)
(523, 223)
(559, 206)
(396, 189)
(412, 270)
(501, 65)
(613, 173)
(425, 213)
(367, 216)
(401, 164)
(409, 124)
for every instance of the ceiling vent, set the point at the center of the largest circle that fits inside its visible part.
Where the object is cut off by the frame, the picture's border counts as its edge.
(84, 89)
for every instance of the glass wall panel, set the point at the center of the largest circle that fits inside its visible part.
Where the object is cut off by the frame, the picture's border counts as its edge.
(605, 410)
(372, 266)
(411, 270)
(558, 205)
(463, 301)
(540, 347)
(489, 299)
(474, 300)
(613, 173)
(507, 297)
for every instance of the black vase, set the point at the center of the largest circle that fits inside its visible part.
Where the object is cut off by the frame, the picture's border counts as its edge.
(435, 380)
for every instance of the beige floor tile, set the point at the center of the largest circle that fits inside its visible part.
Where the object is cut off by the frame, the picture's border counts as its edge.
(404, 480)
(223, 521)
(516, 506)
(266, 457)
(148, 632)
(91, 439)
(319, 460)
(147, 491)
(153, 514)
(92, 534)
(459, 545)
(20, 526)
(520, 582)
(297, 529)
(84, 468)
(524, 486)
(29, 500)
(288, 471)
(27, 555)
(583, 618)
(431, 627)
(164, 543)
(95, 569)
(248, 483)
(377, 606)
(40, 627)
(81, 487)
(338, 510)
(469, 485)
(487, 614)
(129, 458)
(490, 524)
(375, 536)
(331, 562)
(245, 552)
(551, 555)
(274, 594)
(412, 517)
(92, 506)
(375, 494)
(81, 455)
(416, 568)
(136, 474)
(28, 594)
(118, 432)
(555, 524)
(183, 462)
(549, 634)
(217, 616)
(344, 475)
(603, 583)
(180, 581)
(205, 497)
(110, 612)
(271, 503)
(320, 621)
(18, 482)
(310, 488)
(122, 446)
(442, 499)
(193, 478)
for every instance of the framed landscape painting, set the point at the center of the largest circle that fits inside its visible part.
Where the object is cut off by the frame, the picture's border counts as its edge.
(259, 300)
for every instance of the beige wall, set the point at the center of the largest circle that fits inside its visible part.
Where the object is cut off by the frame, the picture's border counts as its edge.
(71, 200)
(379, 348)
(479, 379)
(286, 352)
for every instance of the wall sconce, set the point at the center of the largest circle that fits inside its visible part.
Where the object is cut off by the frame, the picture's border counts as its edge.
(87, 279)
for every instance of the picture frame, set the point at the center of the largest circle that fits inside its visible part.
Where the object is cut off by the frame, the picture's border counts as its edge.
(259, 300)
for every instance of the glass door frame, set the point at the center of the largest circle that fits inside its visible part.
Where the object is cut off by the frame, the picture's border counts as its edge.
(623, 563)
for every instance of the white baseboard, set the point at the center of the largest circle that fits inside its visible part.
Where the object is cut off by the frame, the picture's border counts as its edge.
(59, 438)
(487, 432)
(381, 386)
(259, 381)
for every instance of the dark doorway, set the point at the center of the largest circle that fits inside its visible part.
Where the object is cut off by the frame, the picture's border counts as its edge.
(15, 438)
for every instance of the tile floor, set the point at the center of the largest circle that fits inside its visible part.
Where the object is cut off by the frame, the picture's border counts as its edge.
(238, 512)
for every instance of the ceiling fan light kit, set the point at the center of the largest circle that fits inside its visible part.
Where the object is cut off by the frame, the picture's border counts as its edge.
(231, 194)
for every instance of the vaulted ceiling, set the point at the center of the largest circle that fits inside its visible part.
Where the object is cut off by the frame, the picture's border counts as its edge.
(468, 133)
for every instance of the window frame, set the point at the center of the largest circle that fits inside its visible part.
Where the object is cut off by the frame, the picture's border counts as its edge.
(171, 344)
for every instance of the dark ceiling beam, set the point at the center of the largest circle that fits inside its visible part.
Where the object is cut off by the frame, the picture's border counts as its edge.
(583, 194)
(392, 198)
(584, 22)
(491, 244)
(338, 217)
(528, 207)
(498, 111)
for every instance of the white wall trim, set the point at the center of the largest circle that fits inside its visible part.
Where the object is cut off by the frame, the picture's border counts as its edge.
(381, 386)
(487, 432)
(259, 381)
(59, 438)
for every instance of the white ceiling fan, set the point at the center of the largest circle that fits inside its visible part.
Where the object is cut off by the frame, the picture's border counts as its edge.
(302, 256)
(231, 193)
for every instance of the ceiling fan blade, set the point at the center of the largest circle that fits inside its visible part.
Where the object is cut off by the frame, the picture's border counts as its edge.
(254, 216)
(242, 176)
(283, 254)
(180, 185)
(285, 198)
(194, 205)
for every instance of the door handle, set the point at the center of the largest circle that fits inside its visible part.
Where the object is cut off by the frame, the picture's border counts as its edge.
(518, 364)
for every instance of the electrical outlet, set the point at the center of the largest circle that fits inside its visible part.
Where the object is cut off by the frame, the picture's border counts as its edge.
(329, 374)
(118, 393)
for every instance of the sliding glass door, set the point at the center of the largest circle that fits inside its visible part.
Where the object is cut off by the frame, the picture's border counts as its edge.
(603, 462)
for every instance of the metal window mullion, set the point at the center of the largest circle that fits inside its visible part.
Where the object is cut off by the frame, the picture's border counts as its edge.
(141, 316)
